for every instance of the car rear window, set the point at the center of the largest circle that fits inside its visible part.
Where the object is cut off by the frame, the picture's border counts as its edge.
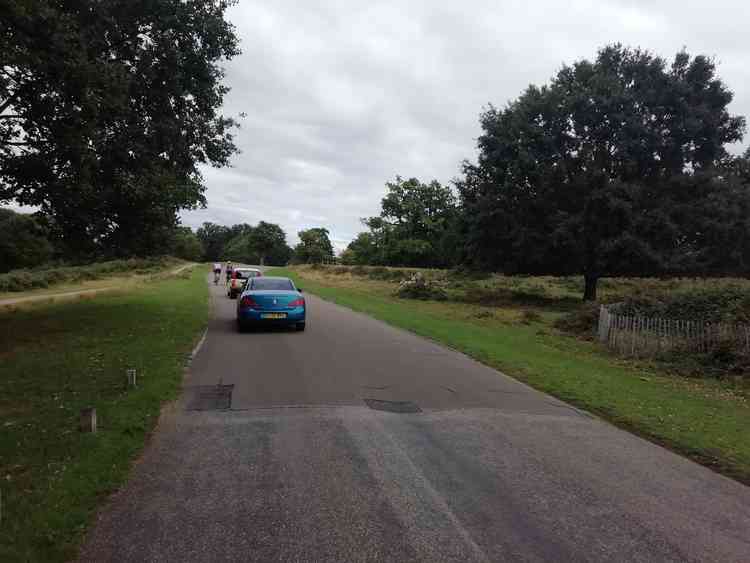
(246, 274)
(271, 284)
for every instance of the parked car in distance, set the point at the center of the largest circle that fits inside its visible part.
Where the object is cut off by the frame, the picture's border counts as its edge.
(268, 301)
(239, 279)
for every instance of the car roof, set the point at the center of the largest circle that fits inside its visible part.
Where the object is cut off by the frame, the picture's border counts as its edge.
(276, 278)
(248, 269)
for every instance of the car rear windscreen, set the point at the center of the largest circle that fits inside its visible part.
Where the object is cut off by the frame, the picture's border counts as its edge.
(246, 274)
(271, 284)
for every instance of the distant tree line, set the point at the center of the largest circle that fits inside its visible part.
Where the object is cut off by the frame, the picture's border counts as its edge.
(263, 244)
(616, 167)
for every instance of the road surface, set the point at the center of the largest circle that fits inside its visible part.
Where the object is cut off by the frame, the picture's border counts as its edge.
(305, 465)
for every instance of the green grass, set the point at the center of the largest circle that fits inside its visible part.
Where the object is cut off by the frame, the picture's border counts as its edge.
(707, 420)
(57, 359)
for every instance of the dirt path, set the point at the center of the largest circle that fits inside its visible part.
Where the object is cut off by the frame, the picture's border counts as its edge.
(74, 293)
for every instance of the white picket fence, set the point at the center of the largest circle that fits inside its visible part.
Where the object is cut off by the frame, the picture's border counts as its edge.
(649, 336)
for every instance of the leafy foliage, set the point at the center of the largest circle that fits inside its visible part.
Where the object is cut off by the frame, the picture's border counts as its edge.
(264, 243)
(614, 168)
(214, 238)
(314, 246)
(416, 227)
(266, 239)
(720, 304)
(107, 110)
(23, 241)
(187, 245)
(420, 287)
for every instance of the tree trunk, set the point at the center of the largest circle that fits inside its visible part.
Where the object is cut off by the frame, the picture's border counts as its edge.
(589, 291)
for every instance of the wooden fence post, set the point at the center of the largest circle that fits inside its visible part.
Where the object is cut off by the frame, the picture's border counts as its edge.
(88, 420)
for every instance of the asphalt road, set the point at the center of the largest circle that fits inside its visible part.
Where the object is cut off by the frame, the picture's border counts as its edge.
(301, 468)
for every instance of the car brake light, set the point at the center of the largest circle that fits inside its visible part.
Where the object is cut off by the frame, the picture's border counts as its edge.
(248, 302)
(299, 302)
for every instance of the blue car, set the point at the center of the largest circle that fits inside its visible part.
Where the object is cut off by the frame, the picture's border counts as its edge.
(268, 301)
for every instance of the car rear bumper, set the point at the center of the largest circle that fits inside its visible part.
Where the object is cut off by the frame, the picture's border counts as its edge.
(255, 317)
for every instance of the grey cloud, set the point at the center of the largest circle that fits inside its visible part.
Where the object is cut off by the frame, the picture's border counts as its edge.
(342, 96)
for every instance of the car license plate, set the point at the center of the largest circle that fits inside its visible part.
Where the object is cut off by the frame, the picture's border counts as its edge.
(273, 316)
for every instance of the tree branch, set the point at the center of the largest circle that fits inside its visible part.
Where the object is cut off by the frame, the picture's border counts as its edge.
(8, 102)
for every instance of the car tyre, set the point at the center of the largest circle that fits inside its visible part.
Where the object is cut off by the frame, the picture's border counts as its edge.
(241, 326)
(300, 327)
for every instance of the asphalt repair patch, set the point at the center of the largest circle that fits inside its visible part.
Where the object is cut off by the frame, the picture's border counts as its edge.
(401, 407)
(209, 397)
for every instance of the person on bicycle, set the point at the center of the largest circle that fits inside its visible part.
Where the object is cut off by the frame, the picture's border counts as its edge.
(217, 272)
(229, 271)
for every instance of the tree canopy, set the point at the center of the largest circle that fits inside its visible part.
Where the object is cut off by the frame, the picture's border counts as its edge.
(106, 111)
(314, 246)
(613, 168)
(23, 241)
(186, 245)
(266, 238)
(264, 243)
(416, 227)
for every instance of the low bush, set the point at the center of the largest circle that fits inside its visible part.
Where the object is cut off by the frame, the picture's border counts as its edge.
(722, 304)
(529, 316)
(464, 273)
(582, 321)
(23, 280)
(418, 287)
(378, 273)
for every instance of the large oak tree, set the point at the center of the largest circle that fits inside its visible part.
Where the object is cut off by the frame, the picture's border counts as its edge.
(614, 168)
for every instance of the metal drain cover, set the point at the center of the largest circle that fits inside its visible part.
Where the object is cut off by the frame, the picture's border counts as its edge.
(209, 397)
(392, 406)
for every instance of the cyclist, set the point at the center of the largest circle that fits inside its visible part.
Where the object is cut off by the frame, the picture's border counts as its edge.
(229, 271)
(217, 272)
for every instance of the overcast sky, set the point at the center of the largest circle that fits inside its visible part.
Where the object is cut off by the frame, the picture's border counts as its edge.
(341, 96)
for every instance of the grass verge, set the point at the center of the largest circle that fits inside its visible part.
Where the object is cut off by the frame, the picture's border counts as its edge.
(54, 276)
(706, 420)
(58, 359)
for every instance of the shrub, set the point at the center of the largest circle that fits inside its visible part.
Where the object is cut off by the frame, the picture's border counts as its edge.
(22, 280)
(582, 321)
(465, 273)
(721, 304)
(529, 316)
(418, 287)
(379, 273)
